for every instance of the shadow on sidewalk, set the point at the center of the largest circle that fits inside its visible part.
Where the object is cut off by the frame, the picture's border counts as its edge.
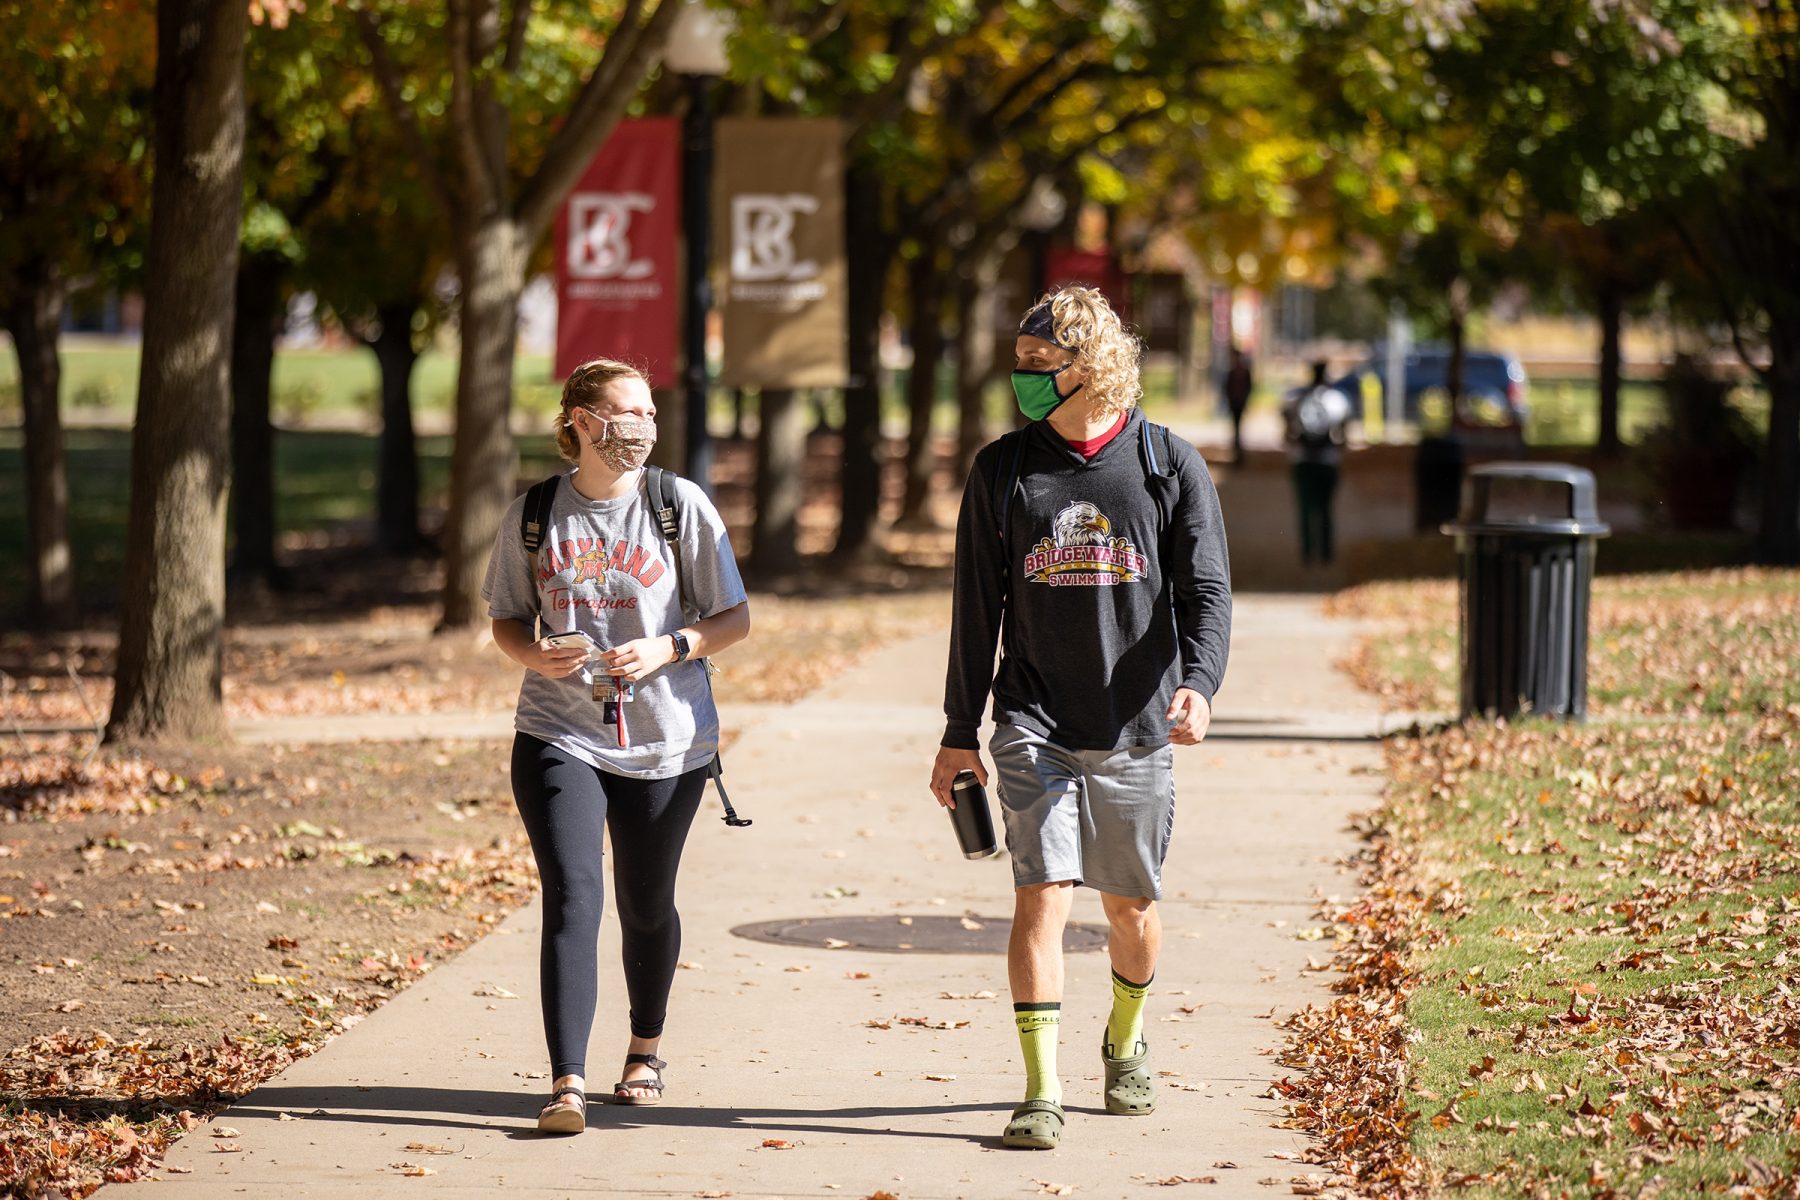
(515, 1112)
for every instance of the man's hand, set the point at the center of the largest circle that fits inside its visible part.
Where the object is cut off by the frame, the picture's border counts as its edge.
(1188, 716)
(636, 659)
(949, 762)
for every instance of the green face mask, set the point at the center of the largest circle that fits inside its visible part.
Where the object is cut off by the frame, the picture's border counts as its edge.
(1036, 391)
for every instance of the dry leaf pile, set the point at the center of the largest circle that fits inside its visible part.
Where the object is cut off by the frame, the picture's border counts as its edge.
(1572, 972)
(276, 894)
(117, 1105)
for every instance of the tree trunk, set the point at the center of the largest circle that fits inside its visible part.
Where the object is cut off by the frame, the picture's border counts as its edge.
(1778, 523)
(925, 289)
(780, 483)
(860, 467)
(397, 457)
(482, 462)
(173, 581)
(1611, 308)
(1454, 369)
(34, 318)
(258, 320)
(974, 358)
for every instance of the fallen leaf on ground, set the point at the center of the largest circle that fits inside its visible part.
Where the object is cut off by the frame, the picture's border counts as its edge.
(496, 991)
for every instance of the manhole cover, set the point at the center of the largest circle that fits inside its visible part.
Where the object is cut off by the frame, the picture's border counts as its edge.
(898, 935)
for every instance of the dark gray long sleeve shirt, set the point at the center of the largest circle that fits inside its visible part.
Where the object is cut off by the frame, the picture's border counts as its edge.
(1104, 612)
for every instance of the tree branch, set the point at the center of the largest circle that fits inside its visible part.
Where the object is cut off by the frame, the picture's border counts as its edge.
(1721, 295)
(515, 36)
(484, 191)
(883, 104)
(387, 79)
(594, 114)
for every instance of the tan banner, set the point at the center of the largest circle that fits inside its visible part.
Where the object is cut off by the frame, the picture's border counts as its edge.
(779, 205)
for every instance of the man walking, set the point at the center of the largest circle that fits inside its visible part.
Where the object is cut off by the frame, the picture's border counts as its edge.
(1093, 540)
(1317, 419)
(1239, 383)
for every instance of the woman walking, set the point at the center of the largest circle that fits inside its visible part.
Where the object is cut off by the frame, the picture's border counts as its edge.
(616, 727)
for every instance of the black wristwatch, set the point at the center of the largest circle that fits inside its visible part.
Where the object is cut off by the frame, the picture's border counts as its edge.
(681, 645)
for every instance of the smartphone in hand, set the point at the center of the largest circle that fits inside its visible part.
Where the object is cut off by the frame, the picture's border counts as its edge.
(572, 641)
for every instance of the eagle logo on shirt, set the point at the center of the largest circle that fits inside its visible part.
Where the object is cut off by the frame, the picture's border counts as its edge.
(1081, 551)
(1081, 524)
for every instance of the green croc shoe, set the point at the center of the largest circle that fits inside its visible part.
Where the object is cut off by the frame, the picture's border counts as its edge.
(1035, 1125)
(1130, 1090)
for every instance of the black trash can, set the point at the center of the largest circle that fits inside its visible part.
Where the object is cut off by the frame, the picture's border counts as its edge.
(1437, 482)
(1525, 542)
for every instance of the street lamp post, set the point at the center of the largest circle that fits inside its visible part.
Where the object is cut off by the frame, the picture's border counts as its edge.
(696, 51)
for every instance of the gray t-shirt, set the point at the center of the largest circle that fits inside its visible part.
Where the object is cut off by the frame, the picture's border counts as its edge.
(604, 569)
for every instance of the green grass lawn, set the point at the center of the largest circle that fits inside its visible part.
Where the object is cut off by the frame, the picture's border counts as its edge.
(103, 376)
(1605, 999)
(321, 480)
(1692, 642)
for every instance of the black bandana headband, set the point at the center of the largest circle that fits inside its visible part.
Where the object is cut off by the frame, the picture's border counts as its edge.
(1040, 323)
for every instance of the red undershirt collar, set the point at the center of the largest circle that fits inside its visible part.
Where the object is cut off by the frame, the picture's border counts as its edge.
(1093, 446)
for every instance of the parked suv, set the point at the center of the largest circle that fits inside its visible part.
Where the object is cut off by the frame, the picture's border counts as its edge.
(1493, 386)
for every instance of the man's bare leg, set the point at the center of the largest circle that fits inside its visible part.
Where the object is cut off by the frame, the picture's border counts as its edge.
(1134, 943)
(1034, 964)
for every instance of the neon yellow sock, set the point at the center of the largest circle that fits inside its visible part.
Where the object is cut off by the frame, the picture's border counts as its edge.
(1038, 1026)
(1125, 1027)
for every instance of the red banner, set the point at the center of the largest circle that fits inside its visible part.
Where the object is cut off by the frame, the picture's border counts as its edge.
(618, 281)
(1095, 268)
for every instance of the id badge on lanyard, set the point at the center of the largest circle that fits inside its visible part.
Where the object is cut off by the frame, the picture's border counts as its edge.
(613, 695)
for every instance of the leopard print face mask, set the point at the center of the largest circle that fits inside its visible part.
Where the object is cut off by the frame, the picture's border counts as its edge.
(624, 444)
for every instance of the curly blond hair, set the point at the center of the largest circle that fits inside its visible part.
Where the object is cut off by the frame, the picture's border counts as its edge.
(1105, 349)
(585, 388)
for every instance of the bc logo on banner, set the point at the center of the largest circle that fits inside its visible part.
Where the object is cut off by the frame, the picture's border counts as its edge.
(600, 235)
(762, 238)
(780, 215)
(617, 290)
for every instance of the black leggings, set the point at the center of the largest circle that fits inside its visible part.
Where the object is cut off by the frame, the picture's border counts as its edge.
(566, 805)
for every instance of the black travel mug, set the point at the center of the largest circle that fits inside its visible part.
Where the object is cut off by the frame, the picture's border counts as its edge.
(974, 824)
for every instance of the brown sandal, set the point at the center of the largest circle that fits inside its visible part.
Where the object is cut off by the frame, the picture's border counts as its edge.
(558, 1117)
(653, 1084)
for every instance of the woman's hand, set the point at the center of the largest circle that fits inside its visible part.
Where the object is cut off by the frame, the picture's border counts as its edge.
(554, 662)
(634, 660)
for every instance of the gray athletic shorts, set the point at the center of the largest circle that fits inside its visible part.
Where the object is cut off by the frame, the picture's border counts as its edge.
(1099, 817)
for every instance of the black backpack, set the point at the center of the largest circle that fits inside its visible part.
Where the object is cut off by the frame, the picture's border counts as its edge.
(534, 519)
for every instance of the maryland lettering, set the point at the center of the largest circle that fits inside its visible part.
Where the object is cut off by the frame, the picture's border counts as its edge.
(590, 562)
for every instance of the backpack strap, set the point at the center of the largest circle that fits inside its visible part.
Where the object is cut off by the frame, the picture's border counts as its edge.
(1157, 463)
(1006, 482)
(662, 502)
(1160, 475)
(661, 488)
(534, 520)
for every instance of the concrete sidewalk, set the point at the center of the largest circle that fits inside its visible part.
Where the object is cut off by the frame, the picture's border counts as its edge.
(775, 1043)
